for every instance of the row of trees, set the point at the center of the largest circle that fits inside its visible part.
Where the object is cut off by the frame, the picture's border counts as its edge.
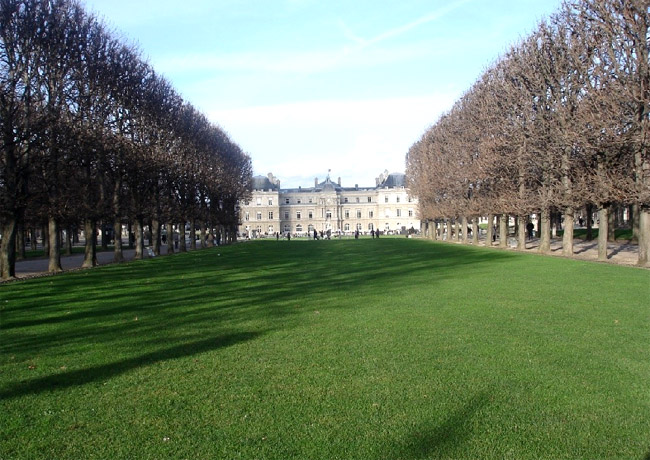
(89, 132)
(559, 123)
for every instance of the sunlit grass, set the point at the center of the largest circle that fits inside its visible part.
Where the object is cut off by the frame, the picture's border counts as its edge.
(356, 349)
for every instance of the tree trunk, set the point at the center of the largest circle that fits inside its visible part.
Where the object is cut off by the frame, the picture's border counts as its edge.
(118, 255)
(32, 239)
(45, 240)
(463, 221)
(170, 238)
(545, 235)
(155, 236)
(68, 240)
(522, 221)
(490, 230)
(567, 236)
(611, 223)
(54, 260)
(634, 221)
(644, 236)
(182, 247)
(203, 234)
(138, 229)
(590, 222)
(503, 231)
(475, 231)
(90, 253)
(193, 234)
(602, 232)
(20, 243)
(8, 249)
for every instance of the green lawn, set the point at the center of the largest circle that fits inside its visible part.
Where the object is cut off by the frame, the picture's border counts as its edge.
(357, 349)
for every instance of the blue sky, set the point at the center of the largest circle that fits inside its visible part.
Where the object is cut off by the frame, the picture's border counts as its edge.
(305, 86)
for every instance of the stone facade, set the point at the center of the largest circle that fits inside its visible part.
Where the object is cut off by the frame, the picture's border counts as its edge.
(329, 207)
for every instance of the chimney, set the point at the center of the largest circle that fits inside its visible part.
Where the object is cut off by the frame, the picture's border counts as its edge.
(339, 181)
(316, 182)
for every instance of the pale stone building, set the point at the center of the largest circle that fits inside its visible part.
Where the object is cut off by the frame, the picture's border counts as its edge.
(329, 207)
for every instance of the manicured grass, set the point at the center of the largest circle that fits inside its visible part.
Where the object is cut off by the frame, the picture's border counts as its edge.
(354, 349)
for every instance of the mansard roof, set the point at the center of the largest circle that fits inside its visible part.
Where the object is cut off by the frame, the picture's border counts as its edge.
(394, 180)
(263, 183)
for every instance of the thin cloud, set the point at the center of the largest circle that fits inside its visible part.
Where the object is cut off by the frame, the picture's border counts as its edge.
(400, 30)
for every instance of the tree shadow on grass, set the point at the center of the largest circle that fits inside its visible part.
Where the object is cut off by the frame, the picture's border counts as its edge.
(105, 371)
(442, 441)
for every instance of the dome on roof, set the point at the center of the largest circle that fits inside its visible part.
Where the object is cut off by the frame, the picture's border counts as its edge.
(263, 183)
(394, 180)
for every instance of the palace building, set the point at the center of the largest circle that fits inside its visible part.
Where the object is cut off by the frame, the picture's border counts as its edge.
(329, 207)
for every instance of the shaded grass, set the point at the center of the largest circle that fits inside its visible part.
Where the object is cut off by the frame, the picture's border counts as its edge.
(368, 349)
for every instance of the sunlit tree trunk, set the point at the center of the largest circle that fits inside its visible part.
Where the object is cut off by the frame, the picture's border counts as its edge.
(54, 259)
(567, 237)
(90, 253)
(603, 219)
(503, 231)
(545, 229)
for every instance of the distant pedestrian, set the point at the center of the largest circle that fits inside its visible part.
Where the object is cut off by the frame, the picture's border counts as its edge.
(529, 229)
(277, 236)
(288, 236)
(356, 234)
(377, 233)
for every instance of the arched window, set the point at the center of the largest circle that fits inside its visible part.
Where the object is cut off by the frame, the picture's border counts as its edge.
(346, 227)
(298, 228)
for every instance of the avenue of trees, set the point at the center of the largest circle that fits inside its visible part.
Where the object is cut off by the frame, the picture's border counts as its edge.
(91, 135)
(558, 124)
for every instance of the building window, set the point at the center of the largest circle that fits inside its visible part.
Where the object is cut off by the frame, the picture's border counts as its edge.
(270, 215)
(286, 200)
(359, 227)
(410, 200)
(328, 214)
(298, 215)
(347, 213)
(310, 200)
(397, 198)
(259, 216)
(311, 214)
(271, 229)
(246, 203)
(286, 214)
(399, 213)
(259, 201)
(310, 228)
(299, 201)
(247, 216)
(371, 214)
(410, 213)
(387, 226)
(287, 228)
(386, 199)
(270, 201)
(299, 228)
(357, 199)
(345, 200)
(371, 227)
(346, 227)
(358, 213)
(387, 212)
(369, 199)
